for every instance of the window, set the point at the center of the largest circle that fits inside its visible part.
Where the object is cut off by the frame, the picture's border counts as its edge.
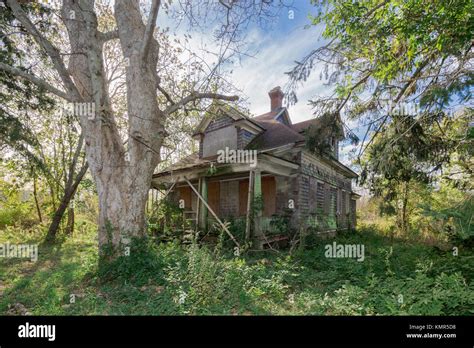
(333, 208)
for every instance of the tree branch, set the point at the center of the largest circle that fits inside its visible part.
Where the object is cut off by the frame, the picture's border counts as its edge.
(75, 158)
(110, 35)
(361, 81)
(38, 82)
(413, 78)
(150, 28)
(166, 94)
(195, 96)
(52, 51)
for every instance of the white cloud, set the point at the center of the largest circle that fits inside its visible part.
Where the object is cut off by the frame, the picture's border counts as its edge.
(257, 75)
(276, 53)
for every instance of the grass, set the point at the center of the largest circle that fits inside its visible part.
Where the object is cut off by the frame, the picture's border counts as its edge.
(396, 278)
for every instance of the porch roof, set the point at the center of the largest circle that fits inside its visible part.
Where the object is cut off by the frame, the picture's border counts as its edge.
(190, 161)
(193, 167)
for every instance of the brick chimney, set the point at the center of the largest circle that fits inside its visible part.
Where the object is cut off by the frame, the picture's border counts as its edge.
(276, 98)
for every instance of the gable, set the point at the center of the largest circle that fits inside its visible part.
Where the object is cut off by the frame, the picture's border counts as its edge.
(219, 122)
(280, 115)
(282, 119)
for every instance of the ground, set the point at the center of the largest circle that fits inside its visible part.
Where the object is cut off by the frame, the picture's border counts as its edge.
(396, 278)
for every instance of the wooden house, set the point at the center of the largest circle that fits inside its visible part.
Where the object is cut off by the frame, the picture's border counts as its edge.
(244, 159)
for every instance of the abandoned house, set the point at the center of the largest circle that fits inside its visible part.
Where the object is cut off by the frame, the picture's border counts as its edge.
(242, 160)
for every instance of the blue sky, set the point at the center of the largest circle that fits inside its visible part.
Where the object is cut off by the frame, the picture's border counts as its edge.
(278, 48)
(274, 50)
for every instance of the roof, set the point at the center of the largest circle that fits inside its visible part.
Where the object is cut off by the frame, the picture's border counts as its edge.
(267, 116)
(275, 134)
(272, 134)
(190, 161)
(301, 126)
(218, 107)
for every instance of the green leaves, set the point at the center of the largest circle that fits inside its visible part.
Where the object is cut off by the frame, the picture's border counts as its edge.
(408, 49)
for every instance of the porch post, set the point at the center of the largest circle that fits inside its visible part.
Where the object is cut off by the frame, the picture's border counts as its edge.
(257, 191)
(250, 196)
(202, 218)
(198, 207)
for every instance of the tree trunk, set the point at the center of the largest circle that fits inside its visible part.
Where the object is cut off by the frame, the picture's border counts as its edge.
(121, 213)
(69, 193)
(57, 217)
(122, 175)
(402, 215)
(404, 208)
(35, 195)
(70, 221)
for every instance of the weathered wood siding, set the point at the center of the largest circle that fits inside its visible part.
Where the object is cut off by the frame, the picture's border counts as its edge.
(219, 134)
(287, 198)
(353, 213)
(213, 196)
(323, 194)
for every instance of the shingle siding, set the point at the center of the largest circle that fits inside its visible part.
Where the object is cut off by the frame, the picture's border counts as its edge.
(220, 122)
(201, 147)
(303, 197)
(322, 194)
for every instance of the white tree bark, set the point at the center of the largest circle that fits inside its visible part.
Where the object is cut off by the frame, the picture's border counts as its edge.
(122, 175)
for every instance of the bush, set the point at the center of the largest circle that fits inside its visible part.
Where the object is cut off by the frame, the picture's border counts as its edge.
(14, 210)
(396, 278)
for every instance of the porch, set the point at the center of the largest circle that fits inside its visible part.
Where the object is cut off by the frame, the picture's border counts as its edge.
(217, 192)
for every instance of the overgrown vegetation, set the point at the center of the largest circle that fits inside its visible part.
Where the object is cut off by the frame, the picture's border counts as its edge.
(396, 278)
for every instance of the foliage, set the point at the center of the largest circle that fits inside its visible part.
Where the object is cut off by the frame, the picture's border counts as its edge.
(318, 136)
(449, 212)
(166, 220)
(237, 228)
(166, 278)
(15, 209)
(385, 56)
(280, 223)
(19, 97)
(439, 215)
(410, 158)
(392, 49)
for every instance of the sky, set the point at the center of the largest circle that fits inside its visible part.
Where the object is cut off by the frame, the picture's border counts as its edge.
(274, 49)
(278, 49)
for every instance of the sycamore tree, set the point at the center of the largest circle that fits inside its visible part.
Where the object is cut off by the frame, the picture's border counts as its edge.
(122, 168)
